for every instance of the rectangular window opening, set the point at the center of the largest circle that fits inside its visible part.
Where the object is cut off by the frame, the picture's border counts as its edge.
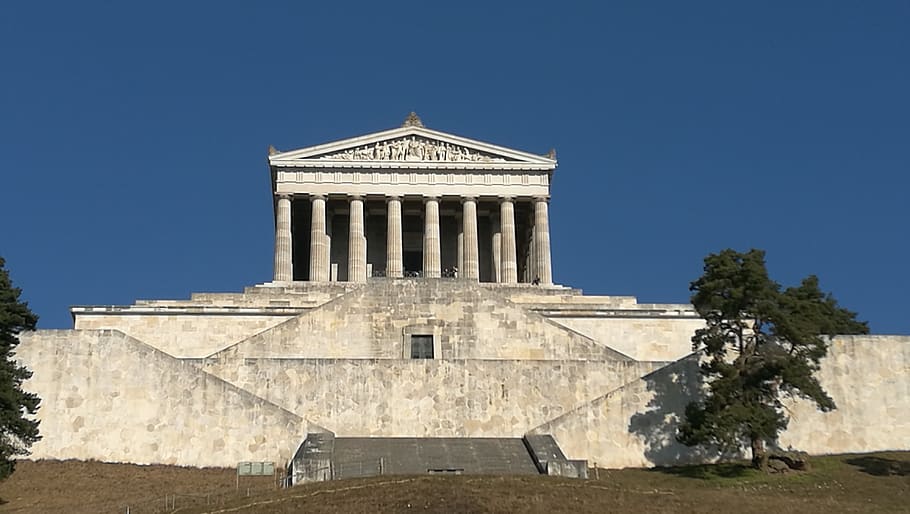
(421, 346)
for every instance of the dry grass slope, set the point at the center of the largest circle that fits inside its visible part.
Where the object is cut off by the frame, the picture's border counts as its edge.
(848, 483)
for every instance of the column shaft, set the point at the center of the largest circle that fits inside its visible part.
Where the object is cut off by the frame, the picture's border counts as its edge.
(319, 259)
(393, 239)
(431, 257)
(357, 247)
(284, 271)
(471, 269)
(542, 241)
(508, 266)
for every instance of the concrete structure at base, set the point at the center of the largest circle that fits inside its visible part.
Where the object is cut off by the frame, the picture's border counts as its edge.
(363, 334)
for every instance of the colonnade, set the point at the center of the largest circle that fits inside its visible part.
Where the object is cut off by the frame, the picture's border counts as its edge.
(505, 267)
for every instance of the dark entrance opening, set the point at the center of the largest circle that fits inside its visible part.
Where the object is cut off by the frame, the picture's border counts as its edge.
(412, 263)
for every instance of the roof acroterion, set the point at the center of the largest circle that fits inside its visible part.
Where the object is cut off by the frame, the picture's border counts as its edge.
(413, 120)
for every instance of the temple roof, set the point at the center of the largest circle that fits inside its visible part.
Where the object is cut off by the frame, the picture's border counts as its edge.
(411, 146)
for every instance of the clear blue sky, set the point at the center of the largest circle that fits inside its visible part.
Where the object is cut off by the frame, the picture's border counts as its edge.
(133, 135)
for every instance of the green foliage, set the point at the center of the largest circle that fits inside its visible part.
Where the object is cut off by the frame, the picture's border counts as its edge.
(17, 432)
(760, 344)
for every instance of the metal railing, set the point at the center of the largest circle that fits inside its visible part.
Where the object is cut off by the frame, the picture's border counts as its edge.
(173, 502)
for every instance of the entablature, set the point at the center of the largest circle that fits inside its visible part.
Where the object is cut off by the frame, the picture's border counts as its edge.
(404, 183)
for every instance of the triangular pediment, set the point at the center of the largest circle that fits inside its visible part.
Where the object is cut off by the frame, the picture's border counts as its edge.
(411, 146)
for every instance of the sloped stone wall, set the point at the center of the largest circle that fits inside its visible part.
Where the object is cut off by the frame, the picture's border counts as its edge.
(642, 338)
(470, 321)
(109, 397)
(635, 425)
(183, 335)
(208, 322)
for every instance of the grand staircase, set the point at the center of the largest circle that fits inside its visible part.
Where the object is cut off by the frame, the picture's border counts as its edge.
(322, 456)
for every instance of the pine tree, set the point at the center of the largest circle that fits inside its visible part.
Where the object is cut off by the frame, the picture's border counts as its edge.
(17, 431)
(761, 345)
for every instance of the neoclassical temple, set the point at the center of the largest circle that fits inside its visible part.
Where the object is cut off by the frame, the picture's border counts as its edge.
(411, 202)
(412, 325)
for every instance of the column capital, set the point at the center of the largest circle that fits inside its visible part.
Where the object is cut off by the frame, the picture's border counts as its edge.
(389, 198)
(541, 199)
(284, 196)
(506, 198)
(355, 196)
(430, 198)
(314, 196)
(468, 199)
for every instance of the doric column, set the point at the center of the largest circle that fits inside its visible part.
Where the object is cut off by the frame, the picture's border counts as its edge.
(393, 239)
(496, 248)
(508, 264)
(284, 271)
(319, 259)
(471, 269)
(431, 259)
(542, 241)
(357, 243)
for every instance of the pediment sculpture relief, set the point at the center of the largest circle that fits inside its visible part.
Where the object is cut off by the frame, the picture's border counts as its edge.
(412, 149)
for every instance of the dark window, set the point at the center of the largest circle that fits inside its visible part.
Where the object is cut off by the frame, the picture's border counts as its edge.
(421, 347)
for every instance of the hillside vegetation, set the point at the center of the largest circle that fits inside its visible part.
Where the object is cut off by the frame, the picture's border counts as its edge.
(847, 483)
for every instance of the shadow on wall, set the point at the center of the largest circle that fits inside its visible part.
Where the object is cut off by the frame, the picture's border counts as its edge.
(673, 387)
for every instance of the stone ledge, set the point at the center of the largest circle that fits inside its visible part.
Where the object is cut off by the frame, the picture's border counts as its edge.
(87, 310)
(575, 312)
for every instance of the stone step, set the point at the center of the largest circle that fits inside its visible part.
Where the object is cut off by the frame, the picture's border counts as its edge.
(367, 456)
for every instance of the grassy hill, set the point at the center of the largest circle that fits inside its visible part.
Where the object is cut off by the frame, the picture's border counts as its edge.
(847, 483)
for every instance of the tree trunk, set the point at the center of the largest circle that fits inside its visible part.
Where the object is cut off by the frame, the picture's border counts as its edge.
(759, 455)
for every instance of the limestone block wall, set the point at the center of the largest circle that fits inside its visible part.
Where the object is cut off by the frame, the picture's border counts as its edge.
(869, 379)
(185, 334)
(654, 338)
(469, 321)
(635, 425)
(427, 398)
(109, 397)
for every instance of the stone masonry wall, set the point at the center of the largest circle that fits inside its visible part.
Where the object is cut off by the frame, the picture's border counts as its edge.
(468, 321)
(635, 425)
(427, 398)
(182, 335)
(642, 338)
(109, 397)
